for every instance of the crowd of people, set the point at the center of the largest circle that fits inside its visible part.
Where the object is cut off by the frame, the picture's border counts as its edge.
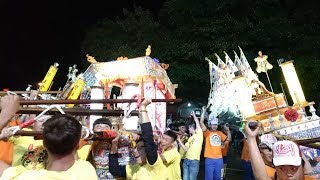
(61, 153)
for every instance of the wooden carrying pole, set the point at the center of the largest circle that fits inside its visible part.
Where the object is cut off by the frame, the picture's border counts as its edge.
(29, 92)
(89, 101)
(311, 143)
(76, 111)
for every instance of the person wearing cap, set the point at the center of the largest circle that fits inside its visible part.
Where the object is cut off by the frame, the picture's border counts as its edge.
(287, 158)
(214, 141)
(265, 146)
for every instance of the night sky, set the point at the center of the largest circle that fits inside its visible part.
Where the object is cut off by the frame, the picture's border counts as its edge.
(35, 34)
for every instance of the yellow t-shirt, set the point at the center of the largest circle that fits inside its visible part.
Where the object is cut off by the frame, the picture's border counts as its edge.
(157, 171)
(84, 149)
(194, 145)
(184, 140)
(80, 170)
(23, 144)
(172, 163)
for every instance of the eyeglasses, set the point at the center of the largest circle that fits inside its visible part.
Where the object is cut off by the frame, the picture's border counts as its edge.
(263, 146)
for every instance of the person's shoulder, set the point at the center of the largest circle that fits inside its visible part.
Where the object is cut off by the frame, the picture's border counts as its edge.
(207, 132)
(175, 151)
(219, 132)
(81, 165)
(131, 169)
(171, 154)
(199, 131)
(199, 134)
(13, 172)
(81, 162)
(307, 177)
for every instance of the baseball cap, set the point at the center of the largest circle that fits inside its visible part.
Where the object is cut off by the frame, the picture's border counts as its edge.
(268, 140)
(286, 153)
(213, 120)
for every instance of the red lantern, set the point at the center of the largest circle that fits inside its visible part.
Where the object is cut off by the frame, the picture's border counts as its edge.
(291, 115)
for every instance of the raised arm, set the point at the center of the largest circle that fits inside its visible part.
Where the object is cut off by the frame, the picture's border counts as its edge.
(9, 105)
(185, 148)
(147, 133)
(227, 129)
(203, 126)
(257, 162)
(196, 120)
(114, 167)
(307, 166)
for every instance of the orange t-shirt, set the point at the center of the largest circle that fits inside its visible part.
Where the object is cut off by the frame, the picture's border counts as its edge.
(270, 171)
(213, 144)
(245, 151)
(306, 177)
(6, 148)
(6, 151)
(225, 149)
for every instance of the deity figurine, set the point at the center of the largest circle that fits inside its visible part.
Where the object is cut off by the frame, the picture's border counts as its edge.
(262, 63)
(224, 74)
(148, 50)
(91, 59)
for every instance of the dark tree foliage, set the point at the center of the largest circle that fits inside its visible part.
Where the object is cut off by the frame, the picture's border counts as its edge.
(185, 31)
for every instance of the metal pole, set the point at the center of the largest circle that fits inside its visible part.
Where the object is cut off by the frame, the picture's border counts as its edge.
(276, 102)
(269, 81)
(284, 94)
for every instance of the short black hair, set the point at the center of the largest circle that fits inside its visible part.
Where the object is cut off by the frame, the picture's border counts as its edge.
(103, 121)
(61, 134)
(181, 124)
(192, 124)
(171, 134)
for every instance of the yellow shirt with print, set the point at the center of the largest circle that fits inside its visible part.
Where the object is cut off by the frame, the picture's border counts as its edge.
(80, 170)
(184, 140)
(194, 145)
(23, 144)
(172, 163)
(157, 171)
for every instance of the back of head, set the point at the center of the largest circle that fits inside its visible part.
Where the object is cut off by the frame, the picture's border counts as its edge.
(61, 134)
(191, 124)
(181, 124)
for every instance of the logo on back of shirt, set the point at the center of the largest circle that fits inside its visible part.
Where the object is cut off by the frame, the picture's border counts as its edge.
(215, 140)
